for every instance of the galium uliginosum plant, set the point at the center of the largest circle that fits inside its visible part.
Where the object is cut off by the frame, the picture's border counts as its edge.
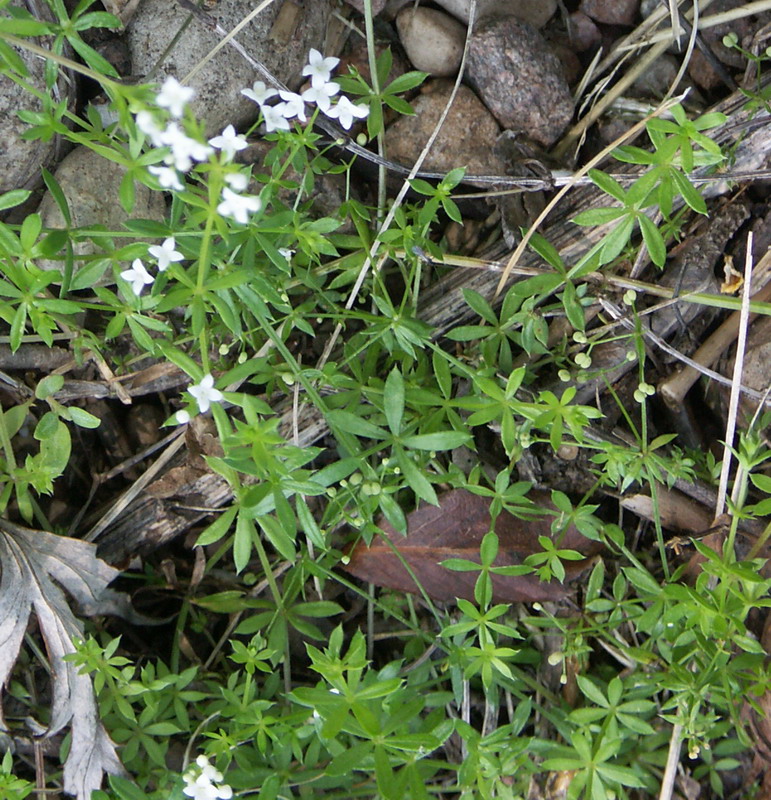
(225, 288)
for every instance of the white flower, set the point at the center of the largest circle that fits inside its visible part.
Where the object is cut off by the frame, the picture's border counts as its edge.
(229, 142)
(274, 118)
(201, 788)
(137, 276)
(238, 206)
(205, 394)
(319, 68)
(184, 150)
(147, 124)
(320, 94)
(167, 177)
(212, 773)
(286, 252)
(345, 111)
(182, 417)
(165, 253)
(174, 96)
(237, 181)
(259, 93)
(293, 105)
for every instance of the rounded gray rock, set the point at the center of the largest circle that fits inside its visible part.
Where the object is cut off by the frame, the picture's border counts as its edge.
(536, 12)
(90, 182)
(513, 70)
(275, 38)
(21, 159)
(432, 40)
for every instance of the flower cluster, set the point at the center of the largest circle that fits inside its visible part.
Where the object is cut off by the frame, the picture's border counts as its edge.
(205, 783)
(164, 254)
(184, 151)
(320, 93)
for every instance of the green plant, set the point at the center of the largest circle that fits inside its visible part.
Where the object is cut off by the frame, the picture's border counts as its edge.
(290, 701)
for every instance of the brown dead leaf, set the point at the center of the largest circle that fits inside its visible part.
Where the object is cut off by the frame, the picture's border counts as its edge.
(454, 529)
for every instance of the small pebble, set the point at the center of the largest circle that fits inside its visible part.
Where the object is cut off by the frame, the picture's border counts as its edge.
(432, 40)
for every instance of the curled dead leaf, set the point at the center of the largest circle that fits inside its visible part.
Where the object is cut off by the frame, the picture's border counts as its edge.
(454, 529)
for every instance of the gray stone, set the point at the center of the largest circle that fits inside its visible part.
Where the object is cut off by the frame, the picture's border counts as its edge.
(90, 183)
(432, 40)
(520, 80)
(21, 159)
(535, 12)
(279, 37)
(466, 139)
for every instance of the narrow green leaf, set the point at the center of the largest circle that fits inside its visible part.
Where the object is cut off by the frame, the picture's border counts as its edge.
(393, 400)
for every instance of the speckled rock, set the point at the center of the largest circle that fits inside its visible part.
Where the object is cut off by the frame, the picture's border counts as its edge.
(466, 139)
(519, 79)
(21, 159)
(535, 12)
(90, 183)
(432, 40)
(611, 12)
(279, 37)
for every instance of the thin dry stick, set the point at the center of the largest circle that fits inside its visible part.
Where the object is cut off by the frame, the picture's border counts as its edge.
(710, 21)
(673, 759)
(733, 405)
(632, 132)
(688, 50)
(402, 193)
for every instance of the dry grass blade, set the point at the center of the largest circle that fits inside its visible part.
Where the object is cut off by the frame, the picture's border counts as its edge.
(737, 376)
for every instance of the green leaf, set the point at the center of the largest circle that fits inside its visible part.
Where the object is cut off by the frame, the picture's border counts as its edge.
(50, 385)
(608, 184)
(415, 478)
(598, 216)
(351, 423)
(277, 536)
(13, 198)
(82, 418)
(442, 440)
(404, 83)
(480, 305)
(218, 528)
(653, 239)
(393, 400)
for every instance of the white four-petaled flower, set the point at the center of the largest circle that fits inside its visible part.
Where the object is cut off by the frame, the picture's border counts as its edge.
(184, 149)
(237, 181)
(229, 142)
(167, 177)
(174, 96)
(319, 68)
(293, 105)
(344, 111)
(205, 394)
(259, 93)
(147, 124)
(238, 206)
(165, 253)
(321, 94)
(137, 276)
(274, 118)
